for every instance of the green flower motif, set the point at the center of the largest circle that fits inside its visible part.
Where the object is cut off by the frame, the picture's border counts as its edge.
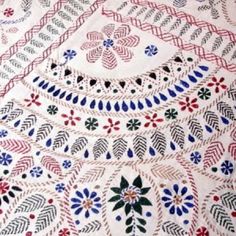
(171, 114)
(133, 124)
(131, 197)
(204, 93)
(91, 124)
(52, 110)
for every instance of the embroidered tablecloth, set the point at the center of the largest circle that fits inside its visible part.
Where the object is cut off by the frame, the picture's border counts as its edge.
(117, 117)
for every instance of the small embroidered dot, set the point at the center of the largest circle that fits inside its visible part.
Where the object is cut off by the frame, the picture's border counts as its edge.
(186, 222)
(148, 214)
(77, 222)
(28, 233)
(118, 218)
(32, 216)
(216, 198)
(50, 201)
(214, 169)
(233, 214)
(1, 211)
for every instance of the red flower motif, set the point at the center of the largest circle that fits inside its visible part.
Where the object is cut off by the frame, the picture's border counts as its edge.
(111, 126)
(202, 231)
(152, 120)
(33, 100)
(4, 187)
(217, 84)
(64, 232)
(70, 118)
(8, 12)
(104, 44)
(189, 104)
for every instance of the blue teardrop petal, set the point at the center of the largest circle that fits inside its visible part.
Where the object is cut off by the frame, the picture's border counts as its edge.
(68, 97)
(56, 92)
(132, 105)
(36, 79)
(83, 101)
(108, 106)
(172, 146)
(163, 97)
(140, 105)
(100, 105)
(192, 79)
(224, 120)
(198, 74)
(45, 86)
(66, 148)
(62, 95)
(49, 143)
(75, 99)
(152, 151)
(51, 89)
(117, 107)
(4, 117)
(17, 123)
(148, 102)
(185, 84)
(86, 154)
(178, 88)
(191, 138)
(156, 100)
(108, 156)
(204, 68)
(172, 93)
(92, 104)
(130, 153)
(41, 83)
(208, 128)
(125, 107)
(31, 132)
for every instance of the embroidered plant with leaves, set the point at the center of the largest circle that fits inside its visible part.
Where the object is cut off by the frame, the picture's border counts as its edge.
(131, 198)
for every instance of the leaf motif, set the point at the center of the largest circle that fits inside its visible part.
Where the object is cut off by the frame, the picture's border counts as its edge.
(31, 203)
(217, 43)
(196, 33)
(166, 172)
(140, 146)
(26, 4)
(232, 94)
(43, 132)
(44, 3)
(14, 114)
(221, 217)
(173, 229)
(213, 154)
(119, 147)
(15, 145)
(212, 119)
(52, 30)
(7, 108)
(178, 135)
(58, 23)
(28, 122)
(91, 227)
(51, 164)
(100, 147)
(159, 142)
(229, 200)
(45, 218)
(196, 128)
(17, 226)
(23, 164)
(225, 110)
(228, 48)
(92, 175)
(206, 38)
(184, 29)
(60, 139)
(78, 145)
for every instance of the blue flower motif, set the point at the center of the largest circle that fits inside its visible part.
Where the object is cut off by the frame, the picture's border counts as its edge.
(36, 171)
(195, 157)
(69, 54)
(177, 200)
(151, 50)
(108, 43)
(86, 201)
(60, 187)
(66, 164)
(3, 133)
(5, 159)
(227, 167)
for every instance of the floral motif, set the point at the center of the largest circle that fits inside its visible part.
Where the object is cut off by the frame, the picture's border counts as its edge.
(227, 167)
(112, 126)
(195, 157)
(5, 159)
(177, 200)
(131, 197)
(109, 42)
(60, 187)
(3, 133)
(52, 109)
(70, 119)
(188, 104)
(86, 201)
(133, 124)
(69, 54)
(204, 93)
(33, 100)
(171, 114)
(64, 232)
(151, 50)
(217, 84)
(66, 164)
(36, 171)
(202, 231)
(152, 120)
(91, 123)
(8, 12)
